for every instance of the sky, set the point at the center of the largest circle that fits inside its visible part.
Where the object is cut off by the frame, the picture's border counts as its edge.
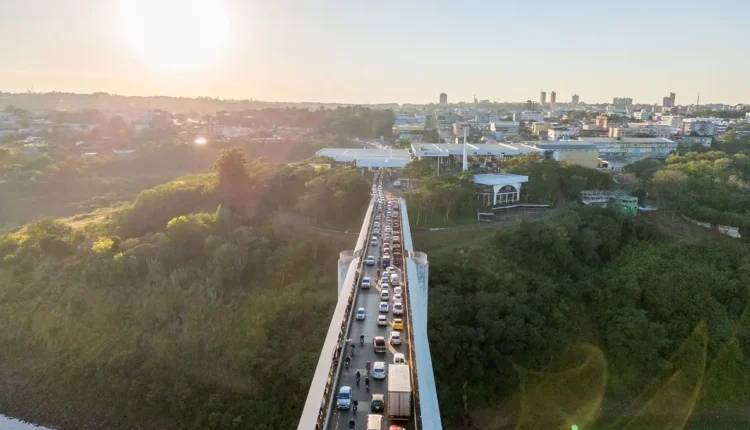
(353, 51)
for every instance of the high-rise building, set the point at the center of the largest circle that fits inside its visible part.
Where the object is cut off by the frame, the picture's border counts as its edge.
(575, 99)
(529, 105)
(542, 98)
(622, 102)
(443, 99)
(669, 101)
(552, 98)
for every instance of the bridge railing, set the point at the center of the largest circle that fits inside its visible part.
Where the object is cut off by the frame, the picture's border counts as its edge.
(318, 406)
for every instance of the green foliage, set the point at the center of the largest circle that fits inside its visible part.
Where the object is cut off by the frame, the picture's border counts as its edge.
(526, 295)
(208, 325)
(709, 187)
(442, 197)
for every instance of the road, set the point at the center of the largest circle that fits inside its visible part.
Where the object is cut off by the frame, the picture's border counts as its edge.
(370, 300)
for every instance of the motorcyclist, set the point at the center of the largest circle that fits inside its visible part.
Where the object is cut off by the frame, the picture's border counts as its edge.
(361, 340)
(347, 360)
(353, 350)
(367, 366)
(358, 376)
(355, 403)
(351, 424)
(367, 383)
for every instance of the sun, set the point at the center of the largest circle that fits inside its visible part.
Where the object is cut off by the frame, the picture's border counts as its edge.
(176, 35)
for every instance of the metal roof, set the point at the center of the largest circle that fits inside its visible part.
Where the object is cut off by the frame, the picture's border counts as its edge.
(366, 157)
(499, 178)
(473, 149)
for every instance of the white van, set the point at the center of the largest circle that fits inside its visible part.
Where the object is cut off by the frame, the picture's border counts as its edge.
(374, 422)
(399, 358)
(394, 279)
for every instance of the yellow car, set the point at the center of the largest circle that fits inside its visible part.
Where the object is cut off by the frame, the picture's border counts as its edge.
(398, 324)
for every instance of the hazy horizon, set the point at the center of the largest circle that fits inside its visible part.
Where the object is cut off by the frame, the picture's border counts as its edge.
(294, 52)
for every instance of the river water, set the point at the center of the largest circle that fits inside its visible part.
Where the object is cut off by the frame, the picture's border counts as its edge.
(7, 423)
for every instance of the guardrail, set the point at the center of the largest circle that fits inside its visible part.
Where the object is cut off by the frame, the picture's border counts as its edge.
(416, 422)
(317, 410)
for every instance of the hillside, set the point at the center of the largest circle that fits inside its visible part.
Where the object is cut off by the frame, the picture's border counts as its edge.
(590, 318)
(187, 309)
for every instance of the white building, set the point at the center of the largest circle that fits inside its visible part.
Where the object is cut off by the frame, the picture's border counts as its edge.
(530, 115)
(562, 133)
(504, 128)
(673, 121)
(700, 126)
(630, 149)
(634, 129)
(641, 114)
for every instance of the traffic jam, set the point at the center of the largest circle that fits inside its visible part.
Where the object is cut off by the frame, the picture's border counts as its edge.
(385, 285)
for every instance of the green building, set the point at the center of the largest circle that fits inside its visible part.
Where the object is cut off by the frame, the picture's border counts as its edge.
(626, 205)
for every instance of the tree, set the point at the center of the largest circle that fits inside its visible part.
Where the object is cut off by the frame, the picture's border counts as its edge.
(230, 167)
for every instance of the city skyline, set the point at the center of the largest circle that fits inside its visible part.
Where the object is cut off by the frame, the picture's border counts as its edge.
(290, 51)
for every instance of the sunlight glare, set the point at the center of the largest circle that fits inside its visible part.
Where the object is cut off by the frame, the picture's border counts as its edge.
(176, 35)
(201, 141)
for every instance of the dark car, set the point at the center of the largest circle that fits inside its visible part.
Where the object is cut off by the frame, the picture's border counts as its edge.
(377, 404)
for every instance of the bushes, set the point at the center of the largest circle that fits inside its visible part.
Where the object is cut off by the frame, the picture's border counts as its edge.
(588, 276)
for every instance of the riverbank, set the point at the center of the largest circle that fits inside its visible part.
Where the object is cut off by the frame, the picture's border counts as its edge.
(20, 399)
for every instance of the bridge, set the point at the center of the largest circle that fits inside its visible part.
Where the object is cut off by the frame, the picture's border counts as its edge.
(408, 390)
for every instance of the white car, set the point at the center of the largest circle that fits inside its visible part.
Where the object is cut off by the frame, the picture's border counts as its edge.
(383, 307)
(382, 320)
(374, 241)
(344, 399)
(376, 224)
(384, 294)
(397, 298)
(398, 308)
(361, 314)
(366, 283)
(397, 290)
(399, 358)
(395, 338)
(370, 260)
(378, 370)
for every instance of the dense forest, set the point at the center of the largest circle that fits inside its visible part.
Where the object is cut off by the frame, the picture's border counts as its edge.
(707, 186)
(190, 307)
(436, 200)
(590, 310)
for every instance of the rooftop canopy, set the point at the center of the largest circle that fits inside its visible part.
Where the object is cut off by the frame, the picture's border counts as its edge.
(472, 149)
(364, 157)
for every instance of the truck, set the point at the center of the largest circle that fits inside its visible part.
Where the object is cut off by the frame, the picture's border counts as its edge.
(399, 391)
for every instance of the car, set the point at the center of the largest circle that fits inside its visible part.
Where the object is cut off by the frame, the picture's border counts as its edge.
(391, 270)
(374, 241)
(396, 290)
(370, 260)
(398, 308)
(382, 320)
(377, 404)
(397, 298)
(366, 282)
(344, 399)
(399, 358)
(398, 324)
(376, 224)
(376, 232)
(378, 344)
(384, 284)
(395, 338)
(384, 294)
(361, 314)
(378, 370)
(383, 307)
